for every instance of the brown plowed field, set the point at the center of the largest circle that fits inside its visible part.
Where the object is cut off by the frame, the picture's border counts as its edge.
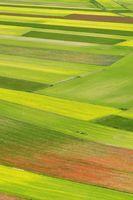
(6, 197)
(100, 18)
(107, 170)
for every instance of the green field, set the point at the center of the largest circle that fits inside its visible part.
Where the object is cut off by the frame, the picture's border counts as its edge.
(117, 122)
(110, 87)
(40, 187)
(66, 103)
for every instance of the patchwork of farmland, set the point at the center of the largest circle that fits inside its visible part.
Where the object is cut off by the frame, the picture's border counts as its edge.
(66, 103)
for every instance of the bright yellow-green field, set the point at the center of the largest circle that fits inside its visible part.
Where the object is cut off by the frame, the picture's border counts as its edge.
(128, 43)
(49, 12)
(72, 109)
(67, 22)
(12, 30)
(29, 185)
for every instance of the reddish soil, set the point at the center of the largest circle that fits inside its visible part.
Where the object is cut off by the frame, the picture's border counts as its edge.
(100, 18)
(80, 170)
(6, 197)
(74, 159)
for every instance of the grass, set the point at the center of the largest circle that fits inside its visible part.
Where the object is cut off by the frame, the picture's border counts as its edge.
(128, 43)
(110, 4)
(60, 55)
(12, 30)
(128, 113)
(70, 126)
(90, 24)
(55, 105)
(48, 11)
(47, 65)
(29, 185)
(127, 4)
(32, 75)
(66, 100)
(109, 87)
(57, 45)
(76, 38)
(22, 85)
(116, 122)
(49, 157)
(71, 23)
(65, 4)
(64, 27)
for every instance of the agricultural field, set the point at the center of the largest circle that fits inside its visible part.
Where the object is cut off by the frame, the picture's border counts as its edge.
(66, 103)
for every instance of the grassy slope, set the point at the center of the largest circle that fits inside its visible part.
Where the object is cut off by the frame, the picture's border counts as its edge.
(68, 126)
(60, 55)
(12, 30)
(116, 122)
(109, 4)
(66, 37)
(34, 186)
(31, 75)
(56, 105)
(9, 197)
(56, 139)
(111, 84)
(22, 85)
(6, 20)
(65, 3)
(57, 45)
(57, 154)
(71, 23)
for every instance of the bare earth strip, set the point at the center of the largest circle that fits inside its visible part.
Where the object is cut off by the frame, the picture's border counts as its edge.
(100, 18)
(55, 154)
(6, 197)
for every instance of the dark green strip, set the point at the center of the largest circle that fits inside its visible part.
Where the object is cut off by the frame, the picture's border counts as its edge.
(98, 5)
(23, 85)
(68, 28)
(116, 122)
(74, 38)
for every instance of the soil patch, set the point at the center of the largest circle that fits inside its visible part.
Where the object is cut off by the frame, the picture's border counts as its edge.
(100, 18)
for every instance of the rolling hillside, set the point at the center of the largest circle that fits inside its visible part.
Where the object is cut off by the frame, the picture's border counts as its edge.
(66, 103)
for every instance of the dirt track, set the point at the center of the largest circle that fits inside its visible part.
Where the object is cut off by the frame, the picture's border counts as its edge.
(100, 18)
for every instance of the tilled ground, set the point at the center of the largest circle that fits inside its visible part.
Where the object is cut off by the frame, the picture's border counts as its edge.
(6, 197)
(100, 18)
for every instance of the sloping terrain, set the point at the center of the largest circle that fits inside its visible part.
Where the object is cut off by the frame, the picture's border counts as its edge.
(66, 103)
